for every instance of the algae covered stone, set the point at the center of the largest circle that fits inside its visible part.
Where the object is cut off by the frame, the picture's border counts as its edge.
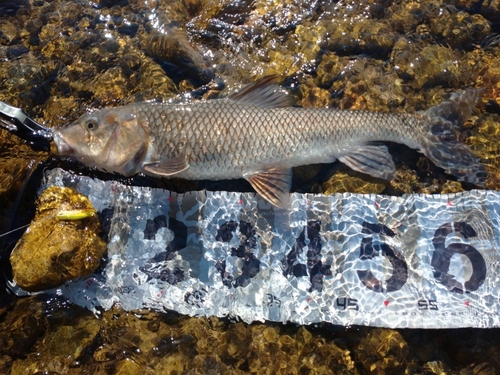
(61, 243)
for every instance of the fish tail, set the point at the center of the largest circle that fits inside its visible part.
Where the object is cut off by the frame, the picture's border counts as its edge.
(441, 145)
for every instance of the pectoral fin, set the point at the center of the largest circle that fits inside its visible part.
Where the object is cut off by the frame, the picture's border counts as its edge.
(273, 185)
(168, 167)
(374, 160)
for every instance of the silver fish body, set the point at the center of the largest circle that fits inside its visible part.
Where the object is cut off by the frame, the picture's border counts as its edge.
(223, 139)
(256, 134)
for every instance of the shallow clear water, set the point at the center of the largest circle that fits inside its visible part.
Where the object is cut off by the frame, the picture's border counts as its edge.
(61, 58)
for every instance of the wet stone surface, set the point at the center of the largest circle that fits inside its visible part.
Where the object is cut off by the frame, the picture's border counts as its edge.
(61, 58)
(72, 341)
(63, 239)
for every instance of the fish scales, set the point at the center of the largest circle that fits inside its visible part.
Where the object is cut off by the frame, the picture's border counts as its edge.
(223, 139)
(258, 135)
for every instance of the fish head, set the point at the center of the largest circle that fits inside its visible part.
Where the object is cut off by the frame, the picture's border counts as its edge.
(112, 139)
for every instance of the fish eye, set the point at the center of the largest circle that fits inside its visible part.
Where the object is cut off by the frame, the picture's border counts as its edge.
(91, 124)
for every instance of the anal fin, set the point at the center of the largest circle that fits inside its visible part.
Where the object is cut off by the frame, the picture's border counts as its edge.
(273, 185)
(374, 160)
(167, 168)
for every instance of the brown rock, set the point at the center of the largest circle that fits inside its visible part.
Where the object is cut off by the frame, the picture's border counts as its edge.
(22, 325)
(382, 351)
(73, 339)
(362, 184)
(52, 250)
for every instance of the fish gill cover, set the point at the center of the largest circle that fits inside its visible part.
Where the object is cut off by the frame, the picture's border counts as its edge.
(417, 261)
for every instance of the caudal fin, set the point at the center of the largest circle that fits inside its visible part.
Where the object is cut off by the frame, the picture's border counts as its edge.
(441, 145)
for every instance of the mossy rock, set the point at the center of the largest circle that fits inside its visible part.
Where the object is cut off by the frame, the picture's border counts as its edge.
(55, 249)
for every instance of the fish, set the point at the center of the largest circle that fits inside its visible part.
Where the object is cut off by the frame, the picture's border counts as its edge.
(258, 134)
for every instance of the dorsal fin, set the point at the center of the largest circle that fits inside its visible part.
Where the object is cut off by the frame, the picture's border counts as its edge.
(265, 93)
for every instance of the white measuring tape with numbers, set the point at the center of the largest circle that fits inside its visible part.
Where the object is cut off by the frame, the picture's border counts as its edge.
(417, 261)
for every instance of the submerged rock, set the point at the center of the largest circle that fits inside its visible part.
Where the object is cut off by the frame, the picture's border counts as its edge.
(382, 351)
(172, 45)
(342, 183)
(61, 243)
(22, 327)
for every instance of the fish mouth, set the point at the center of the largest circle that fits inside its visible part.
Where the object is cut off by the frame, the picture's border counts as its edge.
(63, 148)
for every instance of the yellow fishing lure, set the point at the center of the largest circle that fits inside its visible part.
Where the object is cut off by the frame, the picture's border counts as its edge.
(75, 214)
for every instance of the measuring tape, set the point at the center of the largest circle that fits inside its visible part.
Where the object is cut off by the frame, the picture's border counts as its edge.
(416, 261)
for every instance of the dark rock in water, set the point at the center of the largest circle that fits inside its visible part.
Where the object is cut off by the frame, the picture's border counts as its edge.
(22, 328)
(130, 30)
(10, 8)
(112, 3)
(172, 46)
(16, 51)
(488, 9)
(61, 244)
(68, 333)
